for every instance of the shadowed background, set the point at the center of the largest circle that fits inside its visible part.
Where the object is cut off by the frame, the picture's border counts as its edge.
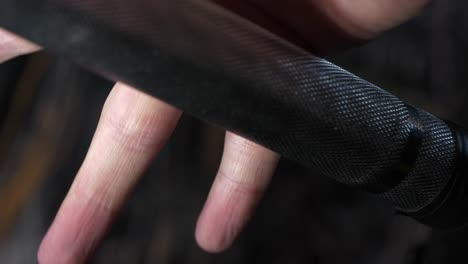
(49, 109)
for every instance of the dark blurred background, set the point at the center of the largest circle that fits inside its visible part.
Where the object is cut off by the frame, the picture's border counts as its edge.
(49, 109)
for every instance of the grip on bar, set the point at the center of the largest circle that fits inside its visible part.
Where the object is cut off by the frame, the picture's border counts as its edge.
(450, 208)
(228, 71)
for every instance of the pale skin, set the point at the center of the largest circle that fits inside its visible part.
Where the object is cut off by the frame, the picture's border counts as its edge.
(134, 127)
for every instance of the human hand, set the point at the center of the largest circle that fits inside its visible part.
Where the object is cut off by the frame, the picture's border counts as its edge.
(134, 127)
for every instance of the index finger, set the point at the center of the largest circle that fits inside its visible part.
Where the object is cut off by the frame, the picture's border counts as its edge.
(132, 129)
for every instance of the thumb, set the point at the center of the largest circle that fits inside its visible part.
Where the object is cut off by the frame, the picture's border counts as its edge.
(322, 26)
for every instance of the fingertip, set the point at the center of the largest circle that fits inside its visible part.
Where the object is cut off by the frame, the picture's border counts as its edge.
(43, 256)
(210, 232)
(244, 174)
(75, 233)
(226, 212)
(209, 243)
(50, 250)
(46, 255)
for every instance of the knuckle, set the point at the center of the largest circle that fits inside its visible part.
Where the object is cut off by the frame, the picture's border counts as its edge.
(241, 143)
(238, 184)
(134, 132)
